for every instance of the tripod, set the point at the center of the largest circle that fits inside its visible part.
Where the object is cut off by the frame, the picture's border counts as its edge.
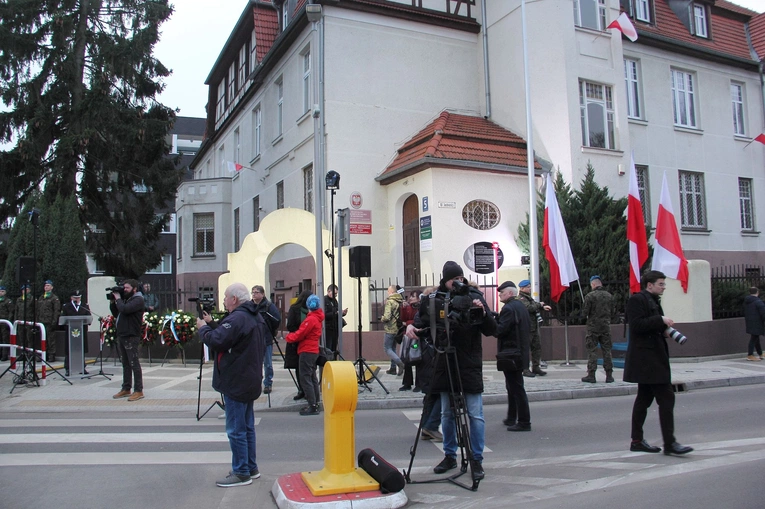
(100, 356)
(361, 362)
(457, 404)
(199, 392)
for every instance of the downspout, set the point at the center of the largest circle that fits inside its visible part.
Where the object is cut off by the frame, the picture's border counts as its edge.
(485, 59)
(760, 67)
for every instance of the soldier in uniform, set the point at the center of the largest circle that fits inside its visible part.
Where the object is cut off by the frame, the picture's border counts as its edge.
(534, 308)
(6, 313)
(48, 311)
(24, 312)
(598, 307)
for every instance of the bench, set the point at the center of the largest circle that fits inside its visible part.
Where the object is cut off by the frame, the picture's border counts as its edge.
(617, 347)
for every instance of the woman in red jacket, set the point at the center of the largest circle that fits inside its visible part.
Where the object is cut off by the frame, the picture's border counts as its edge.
(307, 338)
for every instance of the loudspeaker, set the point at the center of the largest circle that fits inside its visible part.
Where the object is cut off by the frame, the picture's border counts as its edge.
(360, 264)
(390, 479)
(25, 270)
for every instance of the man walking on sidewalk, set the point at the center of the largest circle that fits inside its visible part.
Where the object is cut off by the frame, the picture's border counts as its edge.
(598, 306)
(754, 318)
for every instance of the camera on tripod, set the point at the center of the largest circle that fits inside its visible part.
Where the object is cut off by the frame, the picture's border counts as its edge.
(120, 288)
(204, 305)
(462, 311)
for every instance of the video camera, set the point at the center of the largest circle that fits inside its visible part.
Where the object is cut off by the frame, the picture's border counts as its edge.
(120, 288)
(462, 311)
(203, 305)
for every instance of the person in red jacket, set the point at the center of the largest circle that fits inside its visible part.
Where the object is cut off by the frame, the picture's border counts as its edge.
(308, 337)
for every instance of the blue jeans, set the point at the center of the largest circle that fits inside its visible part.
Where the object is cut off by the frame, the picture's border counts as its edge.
(432, 411)
(390, 350)
(240, 428)
(268, 366)
(474, 403)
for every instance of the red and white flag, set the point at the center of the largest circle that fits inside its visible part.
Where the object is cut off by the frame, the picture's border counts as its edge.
(557, 248)
(232, 166)
(760, 138)
(668, 252)
(635, 230)
(625, 26)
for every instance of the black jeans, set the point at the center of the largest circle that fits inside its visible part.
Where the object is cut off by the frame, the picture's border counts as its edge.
(309, 383)
(132, 376)
(517, 401)
(665, 398)
(754, 344)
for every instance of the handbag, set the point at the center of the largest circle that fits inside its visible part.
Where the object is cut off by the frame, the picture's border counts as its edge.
(411, 354)
(509, 360)
(291, 358)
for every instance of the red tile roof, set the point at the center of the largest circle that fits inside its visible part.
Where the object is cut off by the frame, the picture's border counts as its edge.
(266, 29)
(726, 29)
(453, 138)
(757, 29)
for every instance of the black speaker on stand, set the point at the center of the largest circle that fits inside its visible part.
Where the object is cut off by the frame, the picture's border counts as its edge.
(360, 261)
(25, 270)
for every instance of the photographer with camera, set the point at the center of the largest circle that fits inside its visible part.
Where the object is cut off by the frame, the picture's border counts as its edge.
(126, 305)
(469, 317)
(647, 363)
(273, 319)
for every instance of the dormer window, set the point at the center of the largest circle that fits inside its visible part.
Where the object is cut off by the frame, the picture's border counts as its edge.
(643, 10)
(285, 15)
(700, 20)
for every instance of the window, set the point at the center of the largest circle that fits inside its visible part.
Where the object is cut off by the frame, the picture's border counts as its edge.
(643, 10)
(257, 122)
(307, 80)
(699, 20)
(242, 75)
(692, 203)
(279, 106)
(237, 146)
(597, 112)
(253, 51)
(683, 99)
(641, 172)
(746, 204)
(236, 229)
(204, 234)
(590, 14)
(180, 237)
(285, 15)
(256, 213)
(231, 84)
(280, 195)
(737, 101)
(164, 267)
(170, 224)
(632, 80)
(308, 189)
(221, 105)
(481, 215)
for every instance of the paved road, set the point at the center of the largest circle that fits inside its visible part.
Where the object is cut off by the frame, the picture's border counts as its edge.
(575, 457)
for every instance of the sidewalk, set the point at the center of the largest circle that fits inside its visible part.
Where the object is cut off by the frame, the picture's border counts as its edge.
(174, 388)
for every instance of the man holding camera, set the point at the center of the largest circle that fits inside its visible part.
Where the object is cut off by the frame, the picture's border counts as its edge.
(465, 337)
(127, 306)
(647, 364)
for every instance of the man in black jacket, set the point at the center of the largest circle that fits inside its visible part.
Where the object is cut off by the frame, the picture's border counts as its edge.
(238, 345)
(127, 308)
(647, 364)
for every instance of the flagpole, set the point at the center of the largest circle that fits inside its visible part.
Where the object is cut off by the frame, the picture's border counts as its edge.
(533, 238)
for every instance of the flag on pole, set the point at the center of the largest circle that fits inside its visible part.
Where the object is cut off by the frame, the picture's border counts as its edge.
(557, 248)
(668, 252)
(635, 230)
(760, 138)
(232, 166)
(625, 26)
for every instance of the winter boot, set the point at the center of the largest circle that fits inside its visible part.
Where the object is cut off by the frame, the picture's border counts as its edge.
(609, 376)
(590, 378)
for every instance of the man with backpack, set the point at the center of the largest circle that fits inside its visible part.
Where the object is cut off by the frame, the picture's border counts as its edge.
(273, 319)
(391, 319)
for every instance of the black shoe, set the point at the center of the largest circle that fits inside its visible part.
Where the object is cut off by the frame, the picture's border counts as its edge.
(609, 377)
(300, 395)
(266, 390)
(310, 410)
(508, 422)
(405, 388)
(477, 469)
(66, 373)
(675, 448)
(448, 463)
(391, 371)
(528, 373)
(416, 389)
(538, 371)
(52, 358)
(519, 427)
(643, 446)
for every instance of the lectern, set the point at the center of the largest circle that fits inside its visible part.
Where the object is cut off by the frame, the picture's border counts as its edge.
(76, 333)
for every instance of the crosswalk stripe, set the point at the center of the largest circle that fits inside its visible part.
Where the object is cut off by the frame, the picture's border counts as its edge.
(105, 423)
(110, 438)
(115, 458)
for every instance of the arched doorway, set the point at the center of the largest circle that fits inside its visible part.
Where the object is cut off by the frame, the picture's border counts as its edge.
(411, 231)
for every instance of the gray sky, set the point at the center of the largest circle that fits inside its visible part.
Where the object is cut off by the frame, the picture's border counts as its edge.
(194, 36)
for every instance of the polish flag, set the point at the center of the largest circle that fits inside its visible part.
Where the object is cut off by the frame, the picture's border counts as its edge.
(625, 26)
(668, 253)
(635, 230)
(760, 138)
(232, 166)
(557, 248)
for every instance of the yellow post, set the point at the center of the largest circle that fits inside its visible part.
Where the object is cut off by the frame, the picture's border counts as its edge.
(340, 474)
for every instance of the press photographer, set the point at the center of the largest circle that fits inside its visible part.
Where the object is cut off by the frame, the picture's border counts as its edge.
(467, 317)
(127, 307)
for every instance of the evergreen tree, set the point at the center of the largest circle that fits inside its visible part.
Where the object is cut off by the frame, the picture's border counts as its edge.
(21, 242)
(78, 80)
(63, 249)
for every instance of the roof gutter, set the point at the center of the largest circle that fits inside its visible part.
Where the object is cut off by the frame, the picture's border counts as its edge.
(408, 169)
(661, 41)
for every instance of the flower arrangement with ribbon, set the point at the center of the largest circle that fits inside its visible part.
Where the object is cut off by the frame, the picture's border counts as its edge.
(152, 324)
(108, 330)
(177, 328)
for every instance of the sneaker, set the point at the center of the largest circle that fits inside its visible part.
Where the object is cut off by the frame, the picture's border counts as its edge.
(435, 435)
(752, 358)
(234, 480)
(254, 474)
(477, 469)
(121, 394)
(405, 388)
(267, 389)
(528, 373)
(136, 396)
(310, 410)
(448, 463)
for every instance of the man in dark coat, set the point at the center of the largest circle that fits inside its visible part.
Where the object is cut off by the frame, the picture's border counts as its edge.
(754, 317)
(75, 308)
(237, 345)
(127, 307)
(331, 310)
(647, 364)
(273, 319)
(466, 339)
(513, 335)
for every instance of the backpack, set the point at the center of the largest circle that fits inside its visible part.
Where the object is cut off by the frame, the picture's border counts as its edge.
(400, 327)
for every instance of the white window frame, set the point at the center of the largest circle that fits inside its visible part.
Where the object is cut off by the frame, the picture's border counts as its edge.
(306, 62)
(237, 146)
(279, 106)
(693, 209)
(633, 84)
(253, 51)
(737, 105)
(165, 266)
(285, 15)
(280, 194)
(257, 129)
(256, 213)
(221, 104)
(643, 10)
(746, 204)
(308, 188)
(644, 186)
(700, 24)
(204, 230)
(684, 99)
(587, 100)
(599, 9)
(231, 85)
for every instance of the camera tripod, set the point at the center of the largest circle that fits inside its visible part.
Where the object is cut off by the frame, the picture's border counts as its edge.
(457, 404)
(100, 355)
(199, 392)
(361, 362)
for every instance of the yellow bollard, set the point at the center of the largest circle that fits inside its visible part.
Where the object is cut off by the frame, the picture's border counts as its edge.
(340, 474)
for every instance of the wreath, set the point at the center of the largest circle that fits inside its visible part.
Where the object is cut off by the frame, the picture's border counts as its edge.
(108, 330)
(177, 328)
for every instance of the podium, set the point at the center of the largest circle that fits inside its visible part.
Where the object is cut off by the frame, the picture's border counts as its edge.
(76, 334)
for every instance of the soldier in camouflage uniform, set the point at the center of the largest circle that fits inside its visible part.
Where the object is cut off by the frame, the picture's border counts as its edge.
(6, 313)
(534, 308)
(598, 308)
(24, 312)
(48, 311)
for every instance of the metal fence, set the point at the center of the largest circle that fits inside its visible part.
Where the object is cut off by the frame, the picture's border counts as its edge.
(171, 297)
(730, 286)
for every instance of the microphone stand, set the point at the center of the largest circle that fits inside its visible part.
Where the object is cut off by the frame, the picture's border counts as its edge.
(100, 350)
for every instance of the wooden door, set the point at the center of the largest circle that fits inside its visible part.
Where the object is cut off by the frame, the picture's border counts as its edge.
(411, 232)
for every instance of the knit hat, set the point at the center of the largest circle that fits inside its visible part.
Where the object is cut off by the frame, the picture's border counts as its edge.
(451, 270)
(312, 302)
(506, 284)
(524, 283)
